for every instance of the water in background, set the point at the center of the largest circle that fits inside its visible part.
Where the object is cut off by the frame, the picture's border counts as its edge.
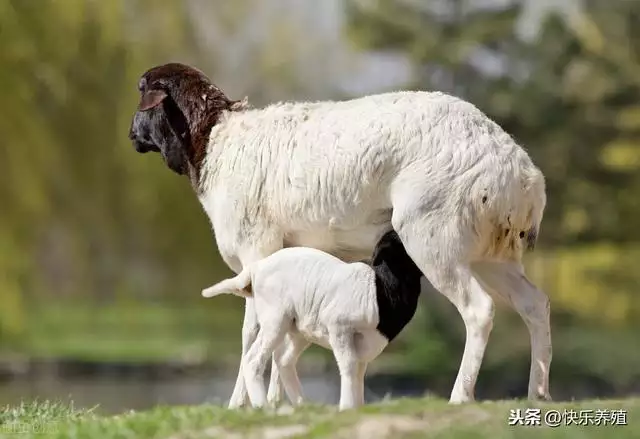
(116, 394)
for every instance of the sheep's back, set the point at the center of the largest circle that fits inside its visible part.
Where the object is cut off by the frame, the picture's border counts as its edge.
(324, 159)
(323, 172)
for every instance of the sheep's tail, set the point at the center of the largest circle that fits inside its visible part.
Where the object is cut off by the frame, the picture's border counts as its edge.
(239, 285)
(517, 215)
(534, 193)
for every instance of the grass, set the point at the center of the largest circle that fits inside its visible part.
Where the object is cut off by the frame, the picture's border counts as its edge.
(397, 419)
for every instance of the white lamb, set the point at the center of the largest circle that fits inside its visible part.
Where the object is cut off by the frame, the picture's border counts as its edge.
(308, 296)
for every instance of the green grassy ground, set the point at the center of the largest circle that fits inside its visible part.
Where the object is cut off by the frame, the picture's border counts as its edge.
(397, 419)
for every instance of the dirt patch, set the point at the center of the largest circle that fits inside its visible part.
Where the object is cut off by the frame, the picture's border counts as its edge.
(284, 432)
(382, 426)
(274, 432)
(379, 426)
(387, 426)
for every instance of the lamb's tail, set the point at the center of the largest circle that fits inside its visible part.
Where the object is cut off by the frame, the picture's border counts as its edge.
(239, 285)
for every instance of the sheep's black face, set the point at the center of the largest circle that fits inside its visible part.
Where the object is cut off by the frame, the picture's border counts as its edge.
(178, 107)
(159, 126)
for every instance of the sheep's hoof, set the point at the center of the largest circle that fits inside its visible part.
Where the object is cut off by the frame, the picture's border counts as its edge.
(542, 398)
(463, 400)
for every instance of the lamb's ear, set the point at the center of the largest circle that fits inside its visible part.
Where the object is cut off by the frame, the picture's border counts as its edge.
(150, 99)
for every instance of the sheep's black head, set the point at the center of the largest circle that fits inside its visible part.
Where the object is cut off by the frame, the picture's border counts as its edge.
(178, 107)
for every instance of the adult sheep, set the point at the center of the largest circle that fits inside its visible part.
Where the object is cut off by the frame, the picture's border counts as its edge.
(464, 198)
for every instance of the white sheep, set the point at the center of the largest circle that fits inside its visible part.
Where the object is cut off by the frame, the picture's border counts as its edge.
(464, 198)
(310, 296)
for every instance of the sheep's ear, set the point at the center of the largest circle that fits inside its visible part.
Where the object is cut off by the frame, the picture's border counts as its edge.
(150, 99)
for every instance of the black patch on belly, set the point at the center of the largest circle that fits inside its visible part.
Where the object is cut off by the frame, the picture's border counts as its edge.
(397, 280)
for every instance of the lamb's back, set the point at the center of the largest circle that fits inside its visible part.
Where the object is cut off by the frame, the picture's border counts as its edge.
(315, 287)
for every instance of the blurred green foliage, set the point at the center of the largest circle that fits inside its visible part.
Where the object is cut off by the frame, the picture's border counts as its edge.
(81, 214)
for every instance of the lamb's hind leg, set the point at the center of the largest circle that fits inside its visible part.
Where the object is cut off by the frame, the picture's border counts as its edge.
(254, 362)
(508, 281)
(275, 394)
(286, 357)
(439, 249)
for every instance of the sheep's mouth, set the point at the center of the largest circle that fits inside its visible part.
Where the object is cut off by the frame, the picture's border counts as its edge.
(144, 147)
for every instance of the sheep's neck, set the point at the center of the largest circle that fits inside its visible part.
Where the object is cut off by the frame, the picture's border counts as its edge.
(397, 293)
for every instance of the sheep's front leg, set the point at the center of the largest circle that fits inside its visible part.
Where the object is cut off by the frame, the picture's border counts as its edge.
(342, 343)
(250, 329)
(249, 333)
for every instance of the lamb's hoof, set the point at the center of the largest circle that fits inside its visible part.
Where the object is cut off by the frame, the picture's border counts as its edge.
(235, 405)
(275, 398)
(285, 410)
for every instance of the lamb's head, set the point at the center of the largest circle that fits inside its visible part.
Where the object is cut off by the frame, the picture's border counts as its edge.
(178, 107)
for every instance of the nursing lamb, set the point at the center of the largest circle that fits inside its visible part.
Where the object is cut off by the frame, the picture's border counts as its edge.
(312, 297)
(464, 198)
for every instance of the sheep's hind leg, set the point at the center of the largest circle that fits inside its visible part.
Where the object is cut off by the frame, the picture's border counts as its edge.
(439, 249)
(362, 370)
(508, 281)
